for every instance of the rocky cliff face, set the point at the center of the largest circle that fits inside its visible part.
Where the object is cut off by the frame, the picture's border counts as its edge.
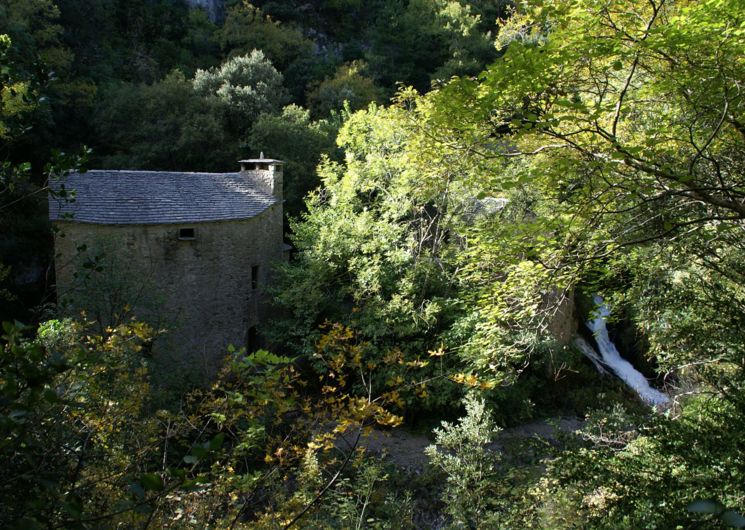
(563, 325)
(215, 8)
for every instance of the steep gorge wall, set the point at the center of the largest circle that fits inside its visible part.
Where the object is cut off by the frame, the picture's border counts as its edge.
(215, 8)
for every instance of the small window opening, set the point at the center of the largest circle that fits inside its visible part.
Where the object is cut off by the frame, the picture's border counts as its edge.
(254, 277)
(186, 233)
(265, 167)
(252, 343)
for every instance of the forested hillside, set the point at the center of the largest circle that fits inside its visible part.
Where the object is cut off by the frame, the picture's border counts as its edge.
(517, 233)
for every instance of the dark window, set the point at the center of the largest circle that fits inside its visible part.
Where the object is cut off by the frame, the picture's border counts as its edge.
(265, 167)
(251, 340)
(254, 277)
(186, 233)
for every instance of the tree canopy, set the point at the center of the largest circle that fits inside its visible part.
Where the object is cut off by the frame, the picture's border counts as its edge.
(463, 179)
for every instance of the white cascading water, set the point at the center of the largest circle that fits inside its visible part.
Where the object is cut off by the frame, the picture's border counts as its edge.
(590, 353)
(613, 360)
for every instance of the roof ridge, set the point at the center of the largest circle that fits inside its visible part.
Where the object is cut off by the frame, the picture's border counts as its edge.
(152, 171)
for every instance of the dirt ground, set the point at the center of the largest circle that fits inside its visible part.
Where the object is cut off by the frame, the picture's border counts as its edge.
(406, 450)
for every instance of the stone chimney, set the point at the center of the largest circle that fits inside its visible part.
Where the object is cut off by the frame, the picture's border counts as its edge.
(264, 173)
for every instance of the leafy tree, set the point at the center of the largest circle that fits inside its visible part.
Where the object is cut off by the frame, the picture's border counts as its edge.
(33, 27)
(70, 402)
(24, 251)
(128, 41)
(616, 133)
(647, 137)
(136, 41)
(348, 86)
(462, 452)
(300, 142)
(166, 125)
(85, 448)
(247, 85)
(612, 138)
(374, 253)
(247, 28)
(641, 477)
(39, 57)
(419, 41)
(407, 44)
(470, 30)
(201, 40)
(146, 41)
(16, 95)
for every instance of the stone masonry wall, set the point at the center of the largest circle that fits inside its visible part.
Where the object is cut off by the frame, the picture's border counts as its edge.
(200, 289)
(269, 181)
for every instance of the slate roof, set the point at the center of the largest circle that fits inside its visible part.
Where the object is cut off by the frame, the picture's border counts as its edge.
(157, 197)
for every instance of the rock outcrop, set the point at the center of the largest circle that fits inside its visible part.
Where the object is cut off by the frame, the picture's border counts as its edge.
(215, 8)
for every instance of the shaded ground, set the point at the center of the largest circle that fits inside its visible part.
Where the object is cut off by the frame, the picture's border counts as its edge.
(406, 450)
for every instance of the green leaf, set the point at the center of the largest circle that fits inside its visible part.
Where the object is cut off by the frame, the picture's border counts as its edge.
(74, 506)
(29, 523)
(188, 484)
(217, 441)
(177, 472)
(151, 482)
(50, 395)
(191, 459)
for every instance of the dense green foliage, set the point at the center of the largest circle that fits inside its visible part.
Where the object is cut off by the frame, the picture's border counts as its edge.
(616, 135)
(448, 242)
(194, 125)
(299, 141)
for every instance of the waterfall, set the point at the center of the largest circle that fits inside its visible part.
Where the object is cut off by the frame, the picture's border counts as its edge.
(590, 353)
(613, 360)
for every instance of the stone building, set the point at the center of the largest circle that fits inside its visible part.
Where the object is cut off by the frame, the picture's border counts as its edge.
(189, 252)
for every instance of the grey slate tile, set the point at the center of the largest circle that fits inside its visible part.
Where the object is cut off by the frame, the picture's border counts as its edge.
(157, 197)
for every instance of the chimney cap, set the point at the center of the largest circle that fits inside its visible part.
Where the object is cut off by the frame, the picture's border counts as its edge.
(270, 161)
